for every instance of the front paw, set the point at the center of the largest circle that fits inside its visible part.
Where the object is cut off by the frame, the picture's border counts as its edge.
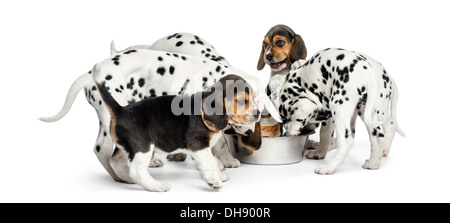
(311, 145)
(324, 170)
(156, 163)
(223, 177)
(368, 165)
(230, 162)
(313, 154)
(177, 157)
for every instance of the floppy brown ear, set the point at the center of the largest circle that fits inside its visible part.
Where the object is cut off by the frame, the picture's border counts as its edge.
(298, 50)
(270, 127)
(261, 62)
(214, 114)
(254, 141)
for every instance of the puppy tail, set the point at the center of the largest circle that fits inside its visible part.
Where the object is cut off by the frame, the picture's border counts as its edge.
(113, 107)
(394, 108)
(81, 82)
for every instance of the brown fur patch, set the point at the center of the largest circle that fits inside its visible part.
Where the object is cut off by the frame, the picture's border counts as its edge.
(281, 53)
(271, 131)
(117, 152)
(238, 111)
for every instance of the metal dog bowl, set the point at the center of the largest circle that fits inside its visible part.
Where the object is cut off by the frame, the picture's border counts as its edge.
(274, 151)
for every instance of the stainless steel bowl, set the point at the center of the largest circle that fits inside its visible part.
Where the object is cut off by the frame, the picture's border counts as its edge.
(274, 151)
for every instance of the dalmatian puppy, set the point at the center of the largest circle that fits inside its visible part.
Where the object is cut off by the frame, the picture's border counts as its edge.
(330, 88)
(184, 43)
(193, 45)
(137, 74)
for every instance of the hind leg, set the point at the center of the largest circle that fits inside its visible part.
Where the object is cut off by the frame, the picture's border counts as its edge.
(139, 172)
(104, 145)
(386, 141)
(344, 143)
(374, 131)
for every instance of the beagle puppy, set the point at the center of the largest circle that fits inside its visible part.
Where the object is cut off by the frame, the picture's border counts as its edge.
(194, 122)
(280, 49)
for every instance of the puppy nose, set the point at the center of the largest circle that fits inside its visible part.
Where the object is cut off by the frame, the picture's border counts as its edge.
(249, 132)
(269, 56)
(257, 114)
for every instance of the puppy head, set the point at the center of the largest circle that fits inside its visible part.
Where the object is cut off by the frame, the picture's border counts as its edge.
(280, 48)
(303, 111)
(296, 112)
(230, 101)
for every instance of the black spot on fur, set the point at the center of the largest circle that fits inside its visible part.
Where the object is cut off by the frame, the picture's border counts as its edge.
(171, 70)
(161, 71)
(130, 51)
(130, 84)
(108, 77)
(141, 82)
(116, 60)
(179, 43)
(340, 57)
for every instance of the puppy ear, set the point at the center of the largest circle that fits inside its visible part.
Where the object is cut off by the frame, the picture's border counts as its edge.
(213, 110)
(254, 141)
(261, 62)
(298, 50)
(266, 103)
(112, 48)
(269, 127)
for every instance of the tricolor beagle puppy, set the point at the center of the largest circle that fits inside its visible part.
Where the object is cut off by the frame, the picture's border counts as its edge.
(280, 49)
(195, 122)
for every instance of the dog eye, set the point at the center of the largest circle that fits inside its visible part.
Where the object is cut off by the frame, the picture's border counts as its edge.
(264, 44)
(280, 43)
(241, 102)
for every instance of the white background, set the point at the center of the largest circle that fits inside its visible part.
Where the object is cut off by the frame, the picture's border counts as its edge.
(46, 45)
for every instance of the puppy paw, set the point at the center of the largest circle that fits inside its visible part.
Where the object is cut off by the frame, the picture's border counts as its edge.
(156, 163)
(223, 177)
(158, 186)
(324, 170)
(313, 154)
(214, 182)
(311, 145)
(230, 162)
(371, 165)
(177, 157)
(385, 153)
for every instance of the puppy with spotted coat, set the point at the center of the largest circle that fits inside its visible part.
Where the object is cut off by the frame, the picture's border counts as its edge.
(332, 87)
(152, 123)
(136, 74)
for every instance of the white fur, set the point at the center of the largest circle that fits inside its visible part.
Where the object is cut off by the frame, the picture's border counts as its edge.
(139, 172)
(341, 95)
(144, 64)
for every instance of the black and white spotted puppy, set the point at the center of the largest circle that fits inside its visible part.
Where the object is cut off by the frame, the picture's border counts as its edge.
(183, 43)
(138, 74)
(328, 89)
(192, 45)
